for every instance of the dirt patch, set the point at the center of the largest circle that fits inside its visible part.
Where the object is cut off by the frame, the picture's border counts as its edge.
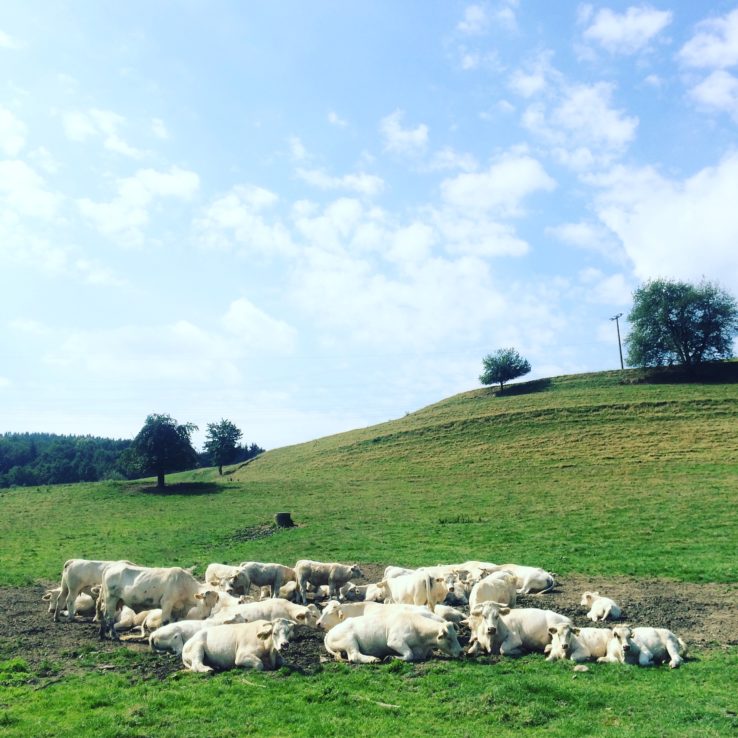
(702, 614)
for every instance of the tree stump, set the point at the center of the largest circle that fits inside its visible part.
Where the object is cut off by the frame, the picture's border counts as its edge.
(284, 520)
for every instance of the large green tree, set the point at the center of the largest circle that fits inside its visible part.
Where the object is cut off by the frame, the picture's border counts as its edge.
(162, 446)
(681, 323)
(502, 366)
(222, 442)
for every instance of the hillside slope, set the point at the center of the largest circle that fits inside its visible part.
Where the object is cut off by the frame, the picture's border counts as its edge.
(578, 474)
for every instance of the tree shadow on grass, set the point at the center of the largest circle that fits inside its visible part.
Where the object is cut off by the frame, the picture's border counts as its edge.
(187, 489)
(523, 388)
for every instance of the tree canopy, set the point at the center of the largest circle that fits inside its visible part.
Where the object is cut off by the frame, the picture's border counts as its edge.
(162, 446)
(502, 366)
(222, 442)
(680, 323)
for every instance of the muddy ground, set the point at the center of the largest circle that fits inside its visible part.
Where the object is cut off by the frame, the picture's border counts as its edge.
(702, 614)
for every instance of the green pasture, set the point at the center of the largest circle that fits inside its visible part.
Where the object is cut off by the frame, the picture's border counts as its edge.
(581, 474)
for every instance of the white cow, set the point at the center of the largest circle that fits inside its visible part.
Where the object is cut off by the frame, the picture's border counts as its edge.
(172, 589)
(418, 588)
(270, 609)
(318, 573)
(391, 572)
(530, 579)
(254, 645)
(260, 575)
(79, 575)
(84, 604)
(206, 602)
(172, 637)
(511, 632)
(478, 569)
(500, 586)
(600, 608)
(644, 646)
(217, 575)
(405, 635)
(577, 644)
(335, 612)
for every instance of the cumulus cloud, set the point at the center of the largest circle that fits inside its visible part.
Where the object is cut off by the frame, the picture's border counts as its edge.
(12, 133)
(256, 330)
(8, 42)
(628, 32)
(715, 43)
(675, 228)
(501, 189)
(588, 236)
(361, 182)
(399, 140)
(335, 120)
(159, 129)
(124, 217)
(80, 125)
(475, 21)
(718, 92)
(238, 221)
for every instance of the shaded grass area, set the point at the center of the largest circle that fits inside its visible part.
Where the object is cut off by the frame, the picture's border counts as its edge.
(440, 697)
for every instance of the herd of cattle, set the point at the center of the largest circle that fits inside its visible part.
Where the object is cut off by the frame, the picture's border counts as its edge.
(217, 624)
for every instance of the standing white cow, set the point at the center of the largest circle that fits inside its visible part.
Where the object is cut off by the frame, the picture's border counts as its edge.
(318, 573)
(260, 575)
(419, 588)
(405, 635)
(256, 645)
(577, 644)
(171, 589)
(644, 646)
(79, 575)
(511, 632)
(600, 608)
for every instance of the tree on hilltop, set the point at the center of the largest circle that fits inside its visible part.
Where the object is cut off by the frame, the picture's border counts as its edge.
(681, 323)
(222, 442)
(162, 446)
(502, 366)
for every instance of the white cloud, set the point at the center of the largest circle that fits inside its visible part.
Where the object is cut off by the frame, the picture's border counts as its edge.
(12, 133)
(256, 331)
(8, 42)
(583, 126)
(335, 120)
(23, 191)
(5, 382)
(715, 44)
(589, 236)
(475, 21)
(44, 159)
(365, 184)
(297, 149)
(683, 229)
(500, 189)
(237, 220)
(478, 235)
(718, 91)
(629, 32)
(399, 140)
(448, 158)
(79, 126)
(613, 289)
(124, 217)
(159, 129)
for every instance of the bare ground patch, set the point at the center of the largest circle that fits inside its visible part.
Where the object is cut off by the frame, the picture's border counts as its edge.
(702, 614)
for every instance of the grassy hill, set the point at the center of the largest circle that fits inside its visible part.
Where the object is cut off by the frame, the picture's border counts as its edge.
(579, 474)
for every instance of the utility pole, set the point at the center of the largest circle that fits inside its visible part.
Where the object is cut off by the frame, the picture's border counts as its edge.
(620, 347)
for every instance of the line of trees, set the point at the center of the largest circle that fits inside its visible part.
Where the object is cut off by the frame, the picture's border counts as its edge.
(162, 446)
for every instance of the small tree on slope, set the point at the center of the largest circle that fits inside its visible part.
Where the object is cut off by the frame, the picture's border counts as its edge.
(222, 442)
(502, 366)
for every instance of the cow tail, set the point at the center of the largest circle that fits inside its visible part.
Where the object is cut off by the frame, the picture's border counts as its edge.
(429, 590)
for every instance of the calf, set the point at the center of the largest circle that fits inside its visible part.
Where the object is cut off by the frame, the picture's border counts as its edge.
(600, 608)
(84, 604)
(257, 645)
(499, 587)
(318, 573)
(79, 575)
(260, 575)
(405, 635)
(578, 644)
(644, 646)
(511, 632)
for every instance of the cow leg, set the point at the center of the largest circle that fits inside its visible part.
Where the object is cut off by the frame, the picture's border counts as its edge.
(193, 658)
(302, 584)
(246, 660)
(672, 647)
(355, 656)
(277, 584)
(403, 649)
(61, 597)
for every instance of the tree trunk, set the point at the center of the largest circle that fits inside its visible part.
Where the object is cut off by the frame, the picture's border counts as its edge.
(284, 520)
(220, 469)
(160, 481)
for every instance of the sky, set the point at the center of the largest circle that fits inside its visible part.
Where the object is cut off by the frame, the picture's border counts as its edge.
(311, 217)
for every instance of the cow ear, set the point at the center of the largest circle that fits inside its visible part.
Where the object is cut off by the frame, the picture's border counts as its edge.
(341, 615)
(46, 597)
(552, 630)
(477, 610)
(576, 631)
(595, 594)
(301, 616)
(504, 610)
(199, 596)
(440, 579)
(265, 632)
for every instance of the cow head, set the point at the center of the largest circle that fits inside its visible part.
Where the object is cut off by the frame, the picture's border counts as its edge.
(561, 641)
(588, 598)
(382, 591)
(447, 641)
(282, 631)
(356, 572)
(308, 615)
(330, 616)
(620, 644)
(485, 622)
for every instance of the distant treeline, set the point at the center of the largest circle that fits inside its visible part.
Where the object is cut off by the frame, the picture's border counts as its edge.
(28, 459)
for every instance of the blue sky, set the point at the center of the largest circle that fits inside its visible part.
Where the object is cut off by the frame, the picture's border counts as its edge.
(312, 217)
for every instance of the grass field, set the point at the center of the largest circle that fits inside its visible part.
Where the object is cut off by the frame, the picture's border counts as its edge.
(581, 474)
